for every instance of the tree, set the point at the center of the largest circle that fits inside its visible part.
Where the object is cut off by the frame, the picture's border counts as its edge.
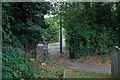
(25, 22)
(90, 27)
(22, 25)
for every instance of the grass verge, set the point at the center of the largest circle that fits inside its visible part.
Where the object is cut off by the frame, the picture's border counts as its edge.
(54, 69)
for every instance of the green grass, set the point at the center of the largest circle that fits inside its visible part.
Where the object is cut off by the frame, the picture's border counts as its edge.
(68, 73)
(51, 45)
(56, 70)
(84, 74)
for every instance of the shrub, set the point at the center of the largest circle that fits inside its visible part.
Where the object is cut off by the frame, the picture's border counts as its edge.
(22, 26)
(91, 28)
(16, 65)
(51, 34)
(82, 40)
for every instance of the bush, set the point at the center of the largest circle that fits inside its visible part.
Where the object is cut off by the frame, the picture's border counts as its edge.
(83, 41)
(51, 34)
(16, 65)
(23, 23)
(91, 28)
(22, 31)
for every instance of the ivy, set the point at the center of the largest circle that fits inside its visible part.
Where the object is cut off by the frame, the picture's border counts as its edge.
(15, 64)
(21, 32)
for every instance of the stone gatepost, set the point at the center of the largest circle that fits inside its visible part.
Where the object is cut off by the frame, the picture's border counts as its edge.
(40, 53)
(115, 62)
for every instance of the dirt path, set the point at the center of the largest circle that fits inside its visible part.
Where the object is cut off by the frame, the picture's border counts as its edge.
(86, 67)
(80, 66)
(55, 50)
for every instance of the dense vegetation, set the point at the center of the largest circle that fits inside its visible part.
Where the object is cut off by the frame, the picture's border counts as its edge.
(91, 28)
(51, 34)
(22, 26)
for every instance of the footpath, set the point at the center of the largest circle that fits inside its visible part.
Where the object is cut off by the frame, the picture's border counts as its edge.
(55, 50)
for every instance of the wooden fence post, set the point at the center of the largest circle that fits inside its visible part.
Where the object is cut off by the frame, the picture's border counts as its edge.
(115, 62)
(40, 53)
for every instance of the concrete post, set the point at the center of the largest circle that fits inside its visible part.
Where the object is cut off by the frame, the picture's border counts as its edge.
(115, 62)
(40, 53)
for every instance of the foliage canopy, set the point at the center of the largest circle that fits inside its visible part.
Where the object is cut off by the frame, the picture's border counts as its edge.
(22, 25)
(90, 27)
